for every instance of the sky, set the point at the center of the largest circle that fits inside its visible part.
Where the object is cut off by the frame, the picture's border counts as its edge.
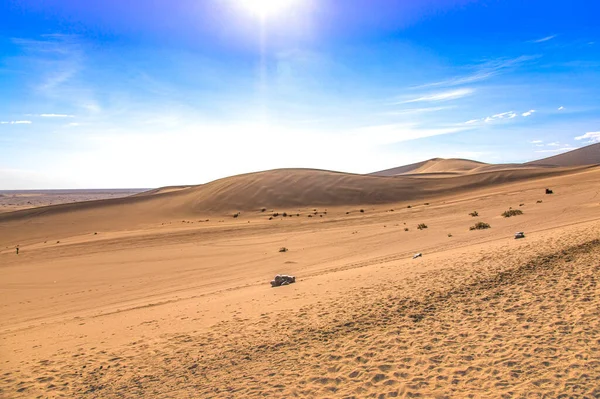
(128, 94)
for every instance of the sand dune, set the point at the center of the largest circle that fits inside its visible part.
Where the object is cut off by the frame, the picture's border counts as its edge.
(282, 190)
(589, 155)
(167, 295)
(185, 310)
(435, 165)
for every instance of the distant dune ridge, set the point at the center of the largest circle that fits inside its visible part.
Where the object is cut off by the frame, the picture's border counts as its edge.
(589, 155)
(297, 188)
(435, 165)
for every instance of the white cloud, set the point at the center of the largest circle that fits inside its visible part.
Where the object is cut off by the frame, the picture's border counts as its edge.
(591, 137)
(15, 123)
(441, 96)
(536, 142)
(554, 144)
(561, 108)
(528, 113)
(56, 116)
(500, 116)
(543, 39)
(509, 115)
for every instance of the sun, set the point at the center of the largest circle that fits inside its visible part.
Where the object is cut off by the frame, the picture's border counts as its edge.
(268, 8)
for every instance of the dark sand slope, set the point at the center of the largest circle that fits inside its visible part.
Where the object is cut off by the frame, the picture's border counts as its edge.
(589, 155)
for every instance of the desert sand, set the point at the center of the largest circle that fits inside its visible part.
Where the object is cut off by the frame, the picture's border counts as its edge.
(14, 200)
(167, 295)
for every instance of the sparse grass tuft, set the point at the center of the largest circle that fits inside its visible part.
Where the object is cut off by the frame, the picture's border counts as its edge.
(512, 212)
(283, 249)
(480, 226)
(421, 226)
(474, 213)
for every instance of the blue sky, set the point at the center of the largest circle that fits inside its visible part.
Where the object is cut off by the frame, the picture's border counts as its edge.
(99, 94)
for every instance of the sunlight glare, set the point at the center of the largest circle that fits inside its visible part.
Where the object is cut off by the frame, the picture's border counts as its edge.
(268, 8)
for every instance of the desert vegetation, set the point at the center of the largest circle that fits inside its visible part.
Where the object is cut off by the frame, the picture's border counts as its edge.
(474, 213)
(421, 226)
(512, 212)
(480, 226)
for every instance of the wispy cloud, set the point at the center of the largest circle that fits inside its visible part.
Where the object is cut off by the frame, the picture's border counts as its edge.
(505, 115)
(561, 108)
(15, 122)
(413, 111)
(441, 96)
(485, 71)
(536, 142)
(591, 137)
(528, 113)
(54, 64)
(554, 144)
(395, 133)
(56, 116)
(543, 39)
(501, 116)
